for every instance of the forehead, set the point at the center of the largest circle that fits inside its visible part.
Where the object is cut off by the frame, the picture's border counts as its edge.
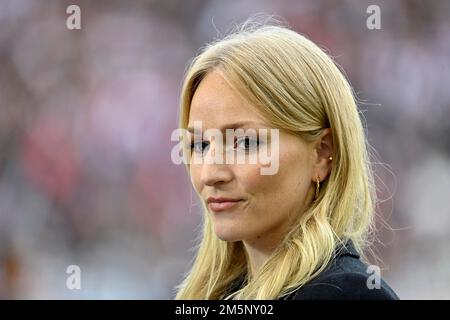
(217, 104)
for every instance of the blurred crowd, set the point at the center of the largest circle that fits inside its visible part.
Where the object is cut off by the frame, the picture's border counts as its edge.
(86, 116)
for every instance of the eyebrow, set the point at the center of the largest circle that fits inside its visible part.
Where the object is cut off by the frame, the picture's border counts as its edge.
(235, 125)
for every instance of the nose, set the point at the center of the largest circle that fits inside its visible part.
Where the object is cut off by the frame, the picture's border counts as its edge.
(214, 172)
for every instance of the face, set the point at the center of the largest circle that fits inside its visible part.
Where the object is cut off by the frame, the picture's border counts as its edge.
(268, 203)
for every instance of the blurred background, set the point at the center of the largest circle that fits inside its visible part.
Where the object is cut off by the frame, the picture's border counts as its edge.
(86, 176)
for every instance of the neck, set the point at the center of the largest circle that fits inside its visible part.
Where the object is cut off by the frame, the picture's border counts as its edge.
(258, 250)
(256, 258)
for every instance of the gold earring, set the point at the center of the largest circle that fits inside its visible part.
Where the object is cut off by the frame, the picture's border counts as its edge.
(317, 187)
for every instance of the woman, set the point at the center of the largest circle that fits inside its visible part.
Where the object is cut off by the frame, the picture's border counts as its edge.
(297, 233)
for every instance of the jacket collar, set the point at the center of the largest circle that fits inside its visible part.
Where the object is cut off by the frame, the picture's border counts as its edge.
(347, 249)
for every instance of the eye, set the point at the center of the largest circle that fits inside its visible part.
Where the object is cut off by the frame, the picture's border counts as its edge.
(247, 143)
(199, 146)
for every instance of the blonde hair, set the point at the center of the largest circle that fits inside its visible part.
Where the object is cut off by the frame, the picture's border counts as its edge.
(299, 88)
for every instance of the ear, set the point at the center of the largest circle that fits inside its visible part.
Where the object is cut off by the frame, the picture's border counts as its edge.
(324, 148)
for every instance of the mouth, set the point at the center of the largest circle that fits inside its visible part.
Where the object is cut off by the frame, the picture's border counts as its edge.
(222, 204)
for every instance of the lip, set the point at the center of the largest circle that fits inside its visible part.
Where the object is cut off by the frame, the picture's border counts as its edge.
(222, 204)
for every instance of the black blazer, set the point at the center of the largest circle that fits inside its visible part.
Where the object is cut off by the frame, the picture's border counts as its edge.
(345, 278)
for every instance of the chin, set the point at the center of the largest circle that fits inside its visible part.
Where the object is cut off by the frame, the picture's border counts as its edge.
(227, 234)
(228, 237)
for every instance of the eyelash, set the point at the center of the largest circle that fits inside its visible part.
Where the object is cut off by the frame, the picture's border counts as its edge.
(194, 144)
(246, 138)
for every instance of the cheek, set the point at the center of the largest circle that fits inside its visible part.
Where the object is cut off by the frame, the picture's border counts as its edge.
(287, 189)
(294, 174)
(261, 191)
(296, 182)
(194, 172)
(249, 177)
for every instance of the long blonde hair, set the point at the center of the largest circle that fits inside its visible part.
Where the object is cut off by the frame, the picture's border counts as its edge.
(299, 88)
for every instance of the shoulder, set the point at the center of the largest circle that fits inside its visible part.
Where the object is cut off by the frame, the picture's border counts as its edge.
(344, 286)
(346, 278)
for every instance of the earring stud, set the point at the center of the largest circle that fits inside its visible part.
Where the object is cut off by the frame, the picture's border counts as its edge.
(331, 158)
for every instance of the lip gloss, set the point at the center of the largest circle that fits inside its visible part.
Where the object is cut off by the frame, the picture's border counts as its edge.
(222, 206)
